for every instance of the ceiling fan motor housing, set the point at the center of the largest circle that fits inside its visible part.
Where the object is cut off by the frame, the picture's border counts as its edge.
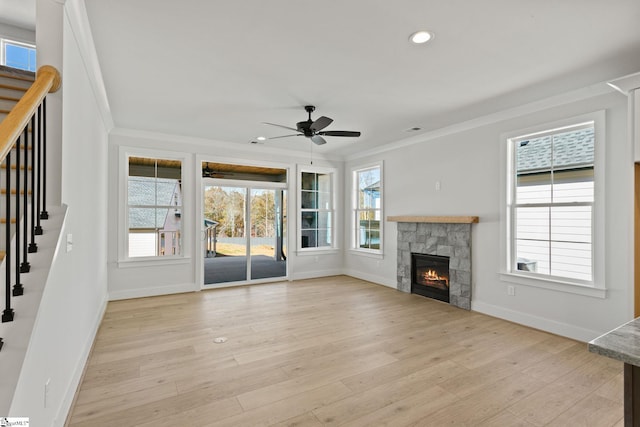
(305, 128)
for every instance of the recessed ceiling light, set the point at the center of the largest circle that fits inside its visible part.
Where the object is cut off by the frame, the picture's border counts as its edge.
(413, 129)
(420, 37)
(261, 138)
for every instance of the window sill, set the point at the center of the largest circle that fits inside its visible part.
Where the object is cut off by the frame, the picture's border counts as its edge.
(554, 285)
(317, 251)
(152, 262)
(365, 253)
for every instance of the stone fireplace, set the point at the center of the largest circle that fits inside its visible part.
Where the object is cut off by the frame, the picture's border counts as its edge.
(440, 237)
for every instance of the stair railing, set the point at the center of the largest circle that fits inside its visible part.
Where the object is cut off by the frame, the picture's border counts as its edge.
(24, 127)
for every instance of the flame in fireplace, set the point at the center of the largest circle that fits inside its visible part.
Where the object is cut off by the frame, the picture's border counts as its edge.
(433, 276)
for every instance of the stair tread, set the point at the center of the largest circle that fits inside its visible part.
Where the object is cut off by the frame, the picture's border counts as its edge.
(12, 87)
(3, 191)
(9, 98)
(4, 166)
(17, 74)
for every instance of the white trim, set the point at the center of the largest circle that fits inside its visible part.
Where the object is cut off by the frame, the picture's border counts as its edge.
(353, 228)
(626, 83)
(506, 172)
(124, 152)
(316, 274)
(153, 291)
(213, 286)
(210, 144)
(510, 113)
(152, 261)
(333, 173)
(199, 243)
(318, 251)
(554, 285)
(537, 322)
(76, 13)
(366, 253)
(11, 41)
(69, 395)
(371, 278)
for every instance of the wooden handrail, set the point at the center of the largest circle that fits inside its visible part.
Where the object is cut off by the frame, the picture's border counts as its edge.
(47, 80)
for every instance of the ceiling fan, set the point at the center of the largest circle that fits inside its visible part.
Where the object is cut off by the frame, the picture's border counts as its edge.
(313, 129)
(207, 172)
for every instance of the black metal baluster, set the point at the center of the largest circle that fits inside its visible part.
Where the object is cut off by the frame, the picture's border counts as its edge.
(7, 314)
(38, 147)
(25, 267)
(44, 214)
(18, 289)
(35, 135)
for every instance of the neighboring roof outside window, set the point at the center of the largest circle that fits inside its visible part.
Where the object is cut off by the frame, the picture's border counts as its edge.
(570, 149)
(142, 194)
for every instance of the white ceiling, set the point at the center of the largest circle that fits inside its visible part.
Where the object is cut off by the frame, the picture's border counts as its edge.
(19, 13)
(218, 69)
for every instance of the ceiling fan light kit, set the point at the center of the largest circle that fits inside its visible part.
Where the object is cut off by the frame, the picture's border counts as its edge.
(313, 129)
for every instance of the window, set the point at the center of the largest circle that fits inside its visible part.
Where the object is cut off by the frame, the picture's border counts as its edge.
(316, 228)
(154, 207)
(18, 55)
(552, 203)
(367, 209)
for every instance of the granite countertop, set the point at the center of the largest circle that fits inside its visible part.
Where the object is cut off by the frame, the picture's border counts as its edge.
(623, 343)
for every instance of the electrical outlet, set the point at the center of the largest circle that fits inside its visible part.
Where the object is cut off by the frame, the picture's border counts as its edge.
(511, 290)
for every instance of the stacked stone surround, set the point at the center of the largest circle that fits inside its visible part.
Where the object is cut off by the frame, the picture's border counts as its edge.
(452, 240)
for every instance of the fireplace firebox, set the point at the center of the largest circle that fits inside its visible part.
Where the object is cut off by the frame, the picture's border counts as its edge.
(430, 276)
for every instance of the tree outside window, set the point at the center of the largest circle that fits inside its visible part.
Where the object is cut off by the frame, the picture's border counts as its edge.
(368, 208)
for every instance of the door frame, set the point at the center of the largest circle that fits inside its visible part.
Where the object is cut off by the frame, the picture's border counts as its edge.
(200, 245)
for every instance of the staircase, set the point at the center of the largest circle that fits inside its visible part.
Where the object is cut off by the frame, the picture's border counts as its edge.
(22, 172)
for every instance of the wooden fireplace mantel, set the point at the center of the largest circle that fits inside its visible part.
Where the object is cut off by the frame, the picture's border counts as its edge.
(435, 219)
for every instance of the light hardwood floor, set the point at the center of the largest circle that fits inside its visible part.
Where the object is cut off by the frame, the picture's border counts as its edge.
(334, 351)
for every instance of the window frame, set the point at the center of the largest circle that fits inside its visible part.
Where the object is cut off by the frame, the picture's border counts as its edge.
(332, 172)
(124, 260)
(509, 273)
(355, 210)
(3, 56)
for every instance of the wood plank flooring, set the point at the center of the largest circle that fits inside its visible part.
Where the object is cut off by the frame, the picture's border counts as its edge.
(334, 351)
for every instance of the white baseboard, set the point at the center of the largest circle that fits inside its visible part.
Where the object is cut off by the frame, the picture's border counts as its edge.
(558, 328)
(371, 278)
(72, 387)
(316, 274)
(154, 291)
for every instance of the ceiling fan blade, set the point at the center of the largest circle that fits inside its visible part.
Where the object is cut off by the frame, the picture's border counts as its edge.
(318, 140)
(350, 133)
(280, 126)
(286, 136)
(320, 124)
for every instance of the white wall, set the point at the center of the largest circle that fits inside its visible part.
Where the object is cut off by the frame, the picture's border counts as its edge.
(76, 292)
(17, 33)
(468, 165)
(136, 279)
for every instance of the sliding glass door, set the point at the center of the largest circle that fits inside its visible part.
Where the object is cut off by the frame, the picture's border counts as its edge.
(245, 236)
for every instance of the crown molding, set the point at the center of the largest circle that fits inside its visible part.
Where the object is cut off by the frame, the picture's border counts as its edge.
(76, 13)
